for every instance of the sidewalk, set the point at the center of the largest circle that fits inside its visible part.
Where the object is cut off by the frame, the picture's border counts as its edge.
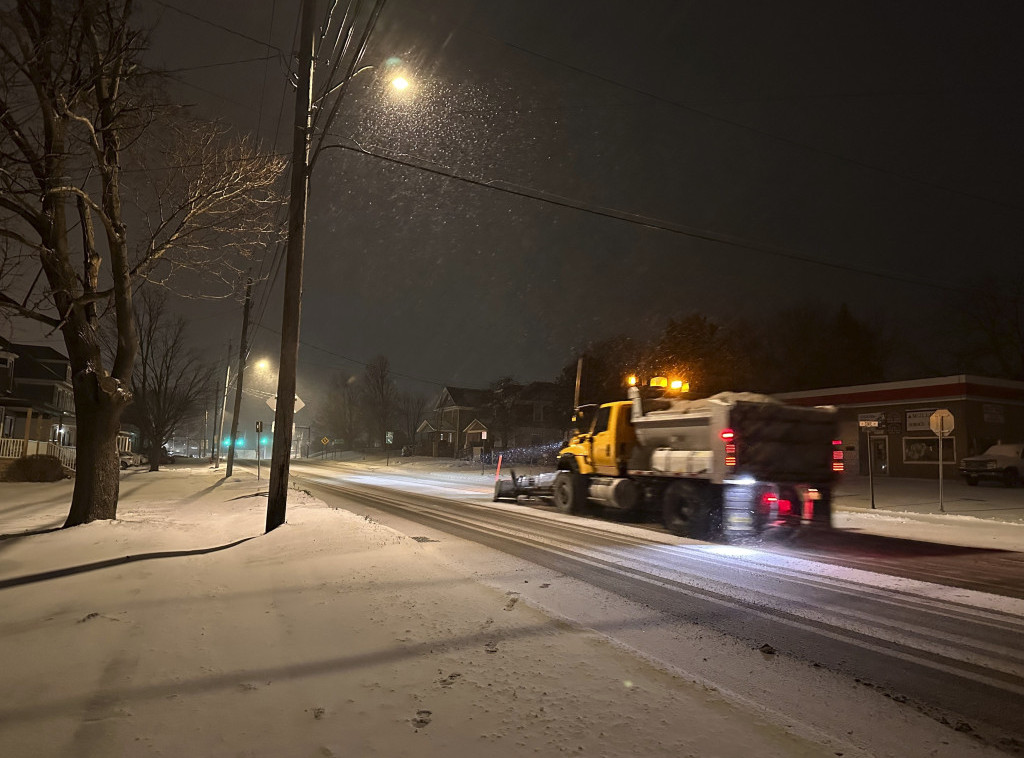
(921, 496)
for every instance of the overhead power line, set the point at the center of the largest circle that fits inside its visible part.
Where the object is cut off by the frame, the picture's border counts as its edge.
(641, 220)
(200, 67)
(215, 25)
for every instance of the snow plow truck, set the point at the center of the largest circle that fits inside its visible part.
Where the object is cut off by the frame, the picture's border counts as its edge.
(731, 465)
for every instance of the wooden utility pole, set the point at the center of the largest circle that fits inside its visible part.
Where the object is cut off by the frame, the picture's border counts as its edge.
(238, 383)
(277, 498)
(223, 410)
(576, 395)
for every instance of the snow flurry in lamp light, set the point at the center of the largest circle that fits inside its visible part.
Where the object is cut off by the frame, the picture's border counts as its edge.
(399, 81)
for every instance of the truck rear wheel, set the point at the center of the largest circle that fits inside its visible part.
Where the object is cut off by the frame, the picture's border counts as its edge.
(686, 511)
(569, 492)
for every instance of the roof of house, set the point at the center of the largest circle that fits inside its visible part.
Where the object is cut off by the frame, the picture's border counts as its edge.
(36, 361)
(39, 352)
(959, 386)
(466, 397)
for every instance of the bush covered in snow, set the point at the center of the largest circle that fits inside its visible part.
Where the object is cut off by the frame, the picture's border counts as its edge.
(34, 468)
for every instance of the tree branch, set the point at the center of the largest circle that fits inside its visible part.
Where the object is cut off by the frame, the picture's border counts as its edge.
(13, 305)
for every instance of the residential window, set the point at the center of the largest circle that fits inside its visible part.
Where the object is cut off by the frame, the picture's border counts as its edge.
(6, 374)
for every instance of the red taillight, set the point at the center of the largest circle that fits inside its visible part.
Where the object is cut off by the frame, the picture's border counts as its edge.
(837, 465)
(729, 437)
(837, 456)
(836, 443)
(785, 507)
(768, 498)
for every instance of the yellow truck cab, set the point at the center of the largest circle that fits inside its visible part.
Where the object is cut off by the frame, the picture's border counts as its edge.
(603, 449)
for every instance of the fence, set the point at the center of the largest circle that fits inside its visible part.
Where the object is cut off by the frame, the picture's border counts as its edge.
(11, 448)
(15, 448)
(67, 455)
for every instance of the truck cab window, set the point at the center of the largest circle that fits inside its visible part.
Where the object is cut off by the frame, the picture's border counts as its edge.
(601, 422)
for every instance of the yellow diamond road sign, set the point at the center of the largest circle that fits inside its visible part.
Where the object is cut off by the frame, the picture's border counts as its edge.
(325, 440)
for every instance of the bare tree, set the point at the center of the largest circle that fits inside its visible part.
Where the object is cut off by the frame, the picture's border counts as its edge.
(379, 396)
(340, 417)
(72, 95)
(411, 409)
(170, 382)
(505, 392)
(992, 327)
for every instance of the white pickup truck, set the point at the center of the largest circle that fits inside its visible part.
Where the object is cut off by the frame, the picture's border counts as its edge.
(1003, 462)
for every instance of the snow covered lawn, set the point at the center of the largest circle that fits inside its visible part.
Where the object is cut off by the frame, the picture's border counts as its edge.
(181, 630)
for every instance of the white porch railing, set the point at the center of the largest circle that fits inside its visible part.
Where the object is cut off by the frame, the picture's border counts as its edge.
(11, 448)
(67, 455)
(15, 448)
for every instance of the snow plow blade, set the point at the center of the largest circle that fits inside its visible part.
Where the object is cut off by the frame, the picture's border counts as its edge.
(537, 485)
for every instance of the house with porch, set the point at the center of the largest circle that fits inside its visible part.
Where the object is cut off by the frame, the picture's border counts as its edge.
(37, 407)
(469, 423)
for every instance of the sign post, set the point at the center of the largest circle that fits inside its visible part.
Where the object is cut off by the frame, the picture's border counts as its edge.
(941, 423)
(259, 431)
(867, 423)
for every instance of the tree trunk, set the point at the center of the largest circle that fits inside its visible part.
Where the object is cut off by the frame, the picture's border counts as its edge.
(154, 454)
(98, 467)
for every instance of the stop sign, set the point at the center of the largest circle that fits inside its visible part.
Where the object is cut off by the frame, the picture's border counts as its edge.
(941, 422)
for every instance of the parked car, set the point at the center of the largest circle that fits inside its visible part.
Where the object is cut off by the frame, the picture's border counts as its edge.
(128, 459)
(1003, 462)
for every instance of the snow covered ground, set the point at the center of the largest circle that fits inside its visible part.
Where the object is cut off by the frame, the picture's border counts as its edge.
(180, 629)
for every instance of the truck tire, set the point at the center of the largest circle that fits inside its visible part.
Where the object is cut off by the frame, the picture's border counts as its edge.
(1011, 478)
(686, 511)
(569, 492)
(972, 481)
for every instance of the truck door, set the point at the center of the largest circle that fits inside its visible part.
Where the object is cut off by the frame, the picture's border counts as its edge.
(603, 442)
(612, 439)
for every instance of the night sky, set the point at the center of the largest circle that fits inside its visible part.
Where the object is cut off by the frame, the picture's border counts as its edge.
(864, 152)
